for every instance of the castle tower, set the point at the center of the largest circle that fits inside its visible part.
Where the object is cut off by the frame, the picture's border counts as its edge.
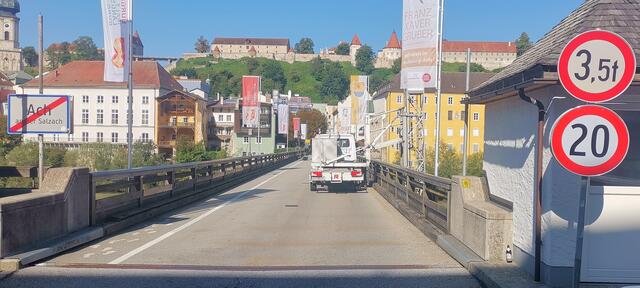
(355, 46)
(10, 52)
(393, 50)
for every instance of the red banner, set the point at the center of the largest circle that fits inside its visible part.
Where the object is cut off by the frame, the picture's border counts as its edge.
(250, 101)
(296, 127)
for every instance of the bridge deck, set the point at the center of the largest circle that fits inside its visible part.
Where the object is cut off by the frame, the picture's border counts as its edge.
(272, 227)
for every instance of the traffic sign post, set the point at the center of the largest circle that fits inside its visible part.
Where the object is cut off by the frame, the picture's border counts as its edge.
(597, 66)
(39, 114)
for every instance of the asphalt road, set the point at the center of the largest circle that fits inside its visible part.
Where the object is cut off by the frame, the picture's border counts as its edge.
(270, 232)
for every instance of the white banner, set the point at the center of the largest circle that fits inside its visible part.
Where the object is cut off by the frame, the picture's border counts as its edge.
(303, 131)
(419, 44)
(116, 15)
(344, 117)
(359, 103)
(283, 119)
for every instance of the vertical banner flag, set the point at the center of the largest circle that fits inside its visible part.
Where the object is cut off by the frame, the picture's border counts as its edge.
(116, 15)
(419, 44)
(344, 117)
(283, 116)
(359, 99)
(296, 127)
(303, 131)
(250, 101)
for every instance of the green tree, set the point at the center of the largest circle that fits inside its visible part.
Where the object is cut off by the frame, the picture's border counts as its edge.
(305, 46)
(99, 156)
(187, 152)
(188, 72)
(364, 59)
(334, 81)
(144, 154)
(202, 45)
(474, 67)
(58, 54)
(523, 43)
(253, 65)
(27, 155)
(85, 49)
(475, 165)
(379, 78)
(450, 161)
(7, 142)
(273, 76)
(316, 122)
(30, 56)
(317, 68)
(343, 49)
(397, 66)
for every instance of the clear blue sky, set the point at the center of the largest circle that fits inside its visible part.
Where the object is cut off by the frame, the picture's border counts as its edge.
(169, 28)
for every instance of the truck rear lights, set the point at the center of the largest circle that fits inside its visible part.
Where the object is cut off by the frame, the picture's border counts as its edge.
(356, 173)
(316, 173)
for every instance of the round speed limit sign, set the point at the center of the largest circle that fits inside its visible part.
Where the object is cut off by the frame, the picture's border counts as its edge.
(597, 66)
(590, 140)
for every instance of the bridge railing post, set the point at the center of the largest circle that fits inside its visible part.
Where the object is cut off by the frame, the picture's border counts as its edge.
(92, 201)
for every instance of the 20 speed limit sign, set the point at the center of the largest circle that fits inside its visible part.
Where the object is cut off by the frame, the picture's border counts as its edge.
(590, 140)
(597, 66)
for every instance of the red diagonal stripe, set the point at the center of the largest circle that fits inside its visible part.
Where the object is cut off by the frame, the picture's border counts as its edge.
(38, 114)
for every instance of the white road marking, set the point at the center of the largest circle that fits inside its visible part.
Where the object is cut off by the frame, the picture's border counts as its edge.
(135, 233)
(151, 232)
(107, 249)
(95, 246)
(88, 255)
(108, 253)
(132, 240)
(193, 221)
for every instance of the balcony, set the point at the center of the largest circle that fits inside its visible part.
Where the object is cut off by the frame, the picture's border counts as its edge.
(170, 143)
(175, 125)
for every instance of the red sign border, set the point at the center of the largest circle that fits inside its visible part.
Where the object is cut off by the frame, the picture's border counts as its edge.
(626, 79)
(606, 113)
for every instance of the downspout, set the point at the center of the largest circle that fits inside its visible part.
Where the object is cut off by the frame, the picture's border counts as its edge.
(538, 180)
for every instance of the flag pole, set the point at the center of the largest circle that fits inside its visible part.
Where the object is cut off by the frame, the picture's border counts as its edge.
(439, 87)
(130, 97)
(41, 90)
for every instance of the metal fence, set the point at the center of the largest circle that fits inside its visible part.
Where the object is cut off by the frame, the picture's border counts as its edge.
(119, 191)
(423, 193)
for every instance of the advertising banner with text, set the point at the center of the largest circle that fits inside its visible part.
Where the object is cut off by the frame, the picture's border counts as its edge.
(116, 15)
(250, 101)
(303, 131)
(344, 117)
(283, 118)
(359, 100)
(296, 127)
(419, 44)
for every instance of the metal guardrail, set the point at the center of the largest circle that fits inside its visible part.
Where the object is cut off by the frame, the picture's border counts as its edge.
(118, 191)
(24, 177)
(423, 193)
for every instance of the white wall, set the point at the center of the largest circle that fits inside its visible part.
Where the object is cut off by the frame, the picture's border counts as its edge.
(510, 129)
(106, 128)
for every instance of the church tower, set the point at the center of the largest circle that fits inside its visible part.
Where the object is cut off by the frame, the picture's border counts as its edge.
(10, 52)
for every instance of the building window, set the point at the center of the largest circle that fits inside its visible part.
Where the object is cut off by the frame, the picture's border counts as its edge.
(450, 146)
(6, 35)
(56, 137)
(449, 132)
(99, 137)
(476, 132)
(85, 137)
(145, 117)
(425, 99)
(85, 116)
(476, 148)
(70, 137)
(259, 140)
(399, 99)
(461, 132)
(185, 119)
(100, 117)
(145, 137)
(114, 137)
(85, 99)
(450, 101)
(220, 118)
(476, 116)
(114, 99)
(145, 100)
(100, 99)
(114, 117)
(228, 118)
(450, 115)
(245, 140)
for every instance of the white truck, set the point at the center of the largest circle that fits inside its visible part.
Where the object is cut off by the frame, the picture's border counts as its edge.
(334, 161)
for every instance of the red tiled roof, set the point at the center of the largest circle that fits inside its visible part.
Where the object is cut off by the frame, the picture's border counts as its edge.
(393, 42)
(146, 74)
(356, 40)
(493, 47)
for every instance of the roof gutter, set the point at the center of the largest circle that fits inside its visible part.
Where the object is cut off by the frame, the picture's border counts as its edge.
(538, 179)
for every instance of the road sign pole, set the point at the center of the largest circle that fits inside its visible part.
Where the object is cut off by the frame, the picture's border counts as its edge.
(584, 194)
(439, 89)
(130, 98)
(40, 75)
(465, 141)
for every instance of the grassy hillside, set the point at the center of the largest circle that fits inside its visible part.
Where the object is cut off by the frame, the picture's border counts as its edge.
(300, 77)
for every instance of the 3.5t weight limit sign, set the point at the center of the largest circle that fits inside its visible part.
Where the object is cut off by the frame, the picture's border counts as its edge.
(597, 66)
(590, 140)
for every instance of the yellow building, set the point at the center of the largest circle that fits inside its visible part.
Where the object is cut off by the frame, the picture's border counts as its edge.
(181, 116)
(452, 123)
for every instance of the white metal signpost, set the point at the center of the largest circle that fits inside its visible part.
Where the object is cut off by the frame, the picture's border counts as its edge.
(39, 114)
(595, 67)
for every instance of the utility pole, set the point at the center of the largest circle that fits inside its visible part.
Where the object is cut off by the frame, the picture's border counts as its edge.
(465, 145)
(130, 97)
(40, 75)
(439, 88)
